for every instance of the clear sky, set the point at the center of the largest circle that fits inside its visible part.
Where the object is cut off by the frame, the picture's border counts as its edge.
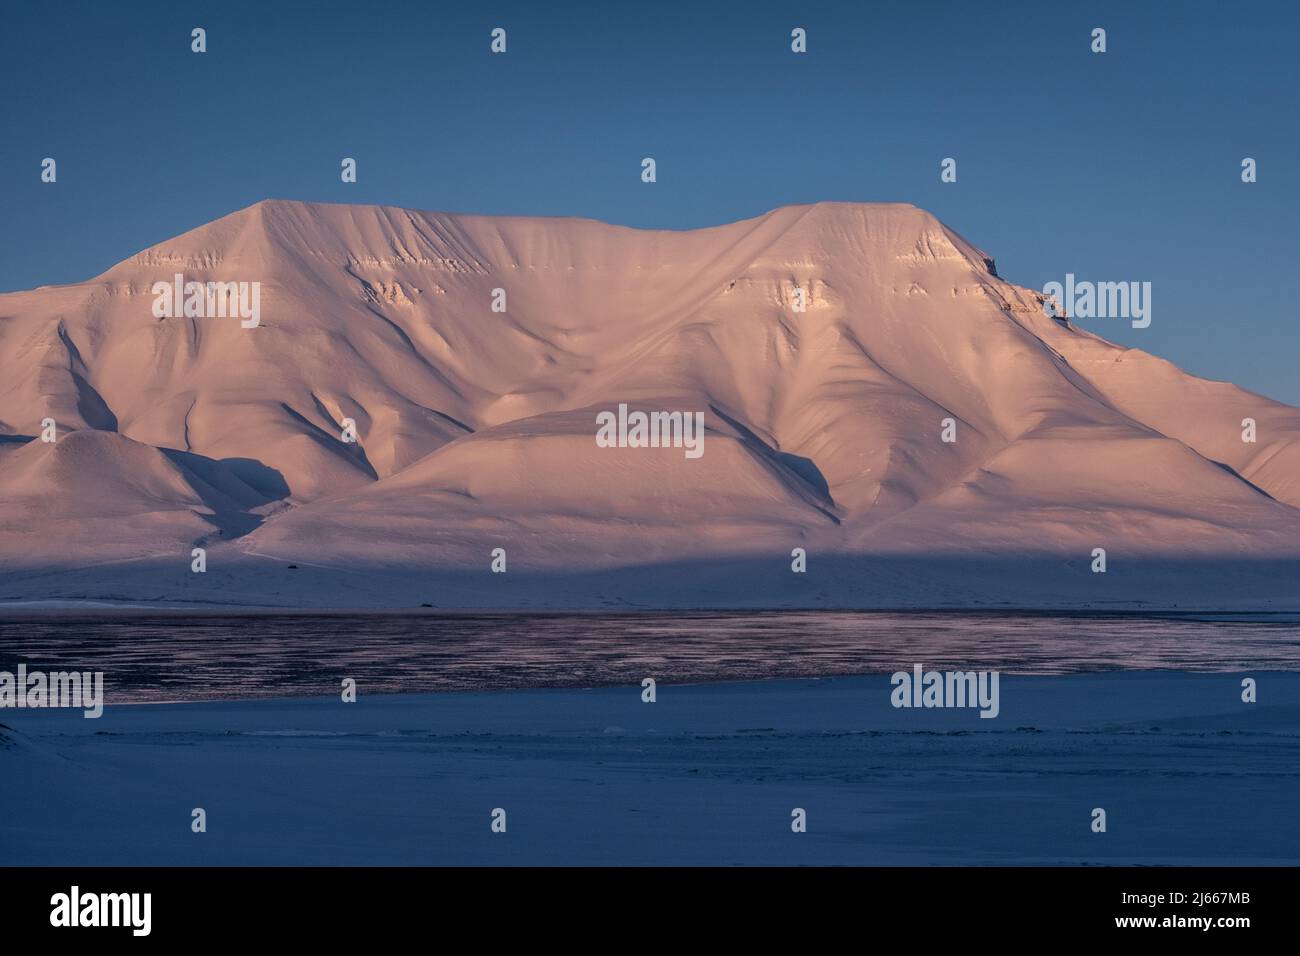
(1117, 166)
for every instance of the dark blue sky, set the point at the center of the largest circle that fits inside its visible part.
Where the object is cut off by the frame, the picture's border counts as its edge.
(1120, 166)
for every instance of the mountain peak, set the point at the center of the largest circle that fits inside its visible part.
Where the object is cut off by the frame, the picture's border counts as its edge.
(422, 384)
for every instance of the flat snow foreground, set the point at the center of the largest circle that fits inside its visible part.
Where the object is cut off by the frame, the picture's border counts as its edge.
(1186, 772)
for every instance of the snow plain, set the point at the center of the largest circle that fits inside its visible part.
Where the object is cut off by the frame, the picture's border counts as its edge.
(709, 774)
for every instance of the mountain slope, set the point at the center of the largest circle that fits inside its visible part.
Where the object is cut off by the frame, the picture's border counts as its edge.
(829, 348)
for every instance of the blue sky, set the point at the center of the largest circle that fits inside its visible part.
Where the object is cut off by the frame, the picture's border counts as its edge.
(1115, 166)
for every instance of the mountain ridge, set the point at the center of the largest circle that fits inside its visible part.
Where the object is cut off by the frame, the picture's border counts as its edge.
(827, 344)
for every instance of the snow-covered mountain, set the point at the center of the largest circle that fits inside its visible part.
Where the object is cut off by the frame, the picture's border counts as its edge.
(826, 346)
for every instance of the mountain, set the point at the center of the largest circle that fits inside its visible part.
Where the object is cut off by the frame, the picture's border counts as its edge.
(828, 347)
